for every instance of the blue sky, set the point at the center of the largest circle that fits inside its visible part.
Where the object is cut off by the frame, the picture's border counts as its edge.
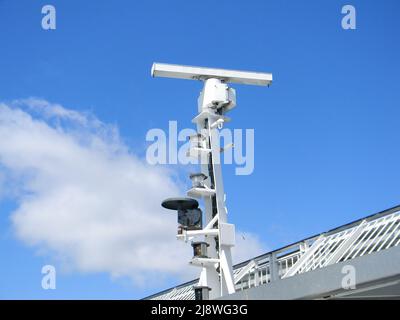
(326, 131)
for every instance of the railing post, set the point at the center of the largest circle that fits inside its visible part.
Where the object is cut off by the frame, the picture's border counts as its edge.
(303, 247)
(273, 267)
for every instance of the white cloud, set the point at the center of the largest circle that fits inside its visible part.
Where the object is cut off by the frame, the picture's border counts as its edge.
(84, 198)
(248, 245)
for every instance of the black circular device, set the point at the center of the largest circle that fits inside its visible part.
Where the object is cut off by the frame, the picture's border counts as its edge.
(180, 203)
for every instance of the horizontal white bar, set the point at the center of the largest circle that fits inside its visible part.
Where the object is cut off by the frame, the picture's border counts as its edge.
(203, 261)
(204, 232)
(200, 73)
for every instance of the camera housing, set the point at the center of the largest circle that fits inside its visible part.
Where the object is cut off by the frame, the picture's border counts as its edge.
(189, 214)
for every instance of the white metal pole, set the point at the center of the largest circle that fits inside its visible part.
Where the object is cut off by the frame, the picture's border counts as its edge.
(219, 279)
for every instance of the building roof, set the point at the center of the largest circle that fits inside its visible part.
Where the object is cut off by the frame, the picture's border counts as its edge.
(366, 236)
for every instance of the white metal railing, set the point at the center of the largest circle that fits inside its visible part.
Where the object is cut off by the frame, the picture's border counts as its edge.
(366, 238)
(372, 234)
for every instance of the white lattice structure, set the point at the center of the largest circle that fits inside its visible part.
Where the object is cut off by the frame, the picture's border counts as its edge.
(367, 236)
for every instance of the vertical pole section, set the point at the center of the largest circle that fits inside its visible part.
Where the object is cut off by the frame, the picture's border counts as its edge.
(273, 267)
(226, 274)
(218, 277)
(209, 275)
